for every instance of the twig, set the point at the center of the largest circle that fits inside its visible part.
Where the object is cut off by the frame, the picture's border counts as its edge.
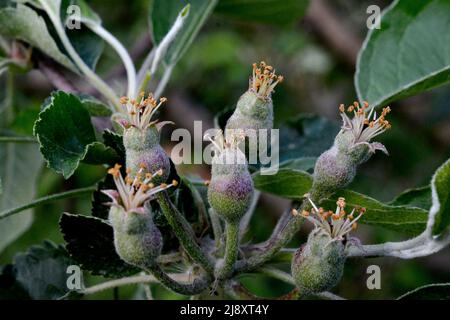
(18, 140)
(216, 226)
(122, 52)
(57, 196)
(184, 232)
(231, 251)
(188, 289)
(277, 274)
(182, 277)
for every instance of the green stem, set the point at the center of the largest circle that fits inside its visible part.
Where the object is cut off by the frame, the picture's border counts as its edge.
(277, 274)
(237, 291)
(133, 280)
(184, 232)
(275, 243)
(18, 139)
(197, 286)
(283, 233)
(47, 199)
(231, 251)
(216, 226)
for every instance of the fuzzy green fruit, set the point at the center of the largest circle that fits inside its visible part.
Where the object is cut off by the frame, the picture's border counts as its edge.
(136, 238)
(143, 149)
(252, 114)
(333, 170)
(254, 109)
(319, 264)
(231, 189)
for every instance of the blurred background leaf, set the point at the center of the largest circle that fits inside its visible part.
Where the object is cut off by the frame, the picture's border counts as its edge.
(19, 170)
(42, 271)
(276, 12)
(403, 57)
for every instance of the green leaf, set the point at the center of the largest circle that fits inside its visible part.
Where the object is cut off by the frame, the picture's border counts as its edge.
(286, 183)
(99, 199)
(437, 291)
(25, 24)
(42, 271)
(90, 243)
(409, 220)
(306, 136)
(440, 191)
(163, 14)
(115, 141)
(293, 184)
(277, 12)
(403, 57)
(87, 15)
(418, 197)
(88, 45)
(95, 107)
(19, 170)
(100, 209)
(66, 135)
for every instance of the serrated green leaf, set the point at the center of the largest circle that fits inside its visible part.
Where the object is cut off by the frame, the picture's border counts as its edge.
(66, 135)
(163, 14)
(98, 153)
(90, 242)
(437, 291)
(100, 209)
(115, 141)
(95, 107)
(264, 11)
(440, 191)
(403, 57)
(25, 24)
(19, 171)
(42, 271)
